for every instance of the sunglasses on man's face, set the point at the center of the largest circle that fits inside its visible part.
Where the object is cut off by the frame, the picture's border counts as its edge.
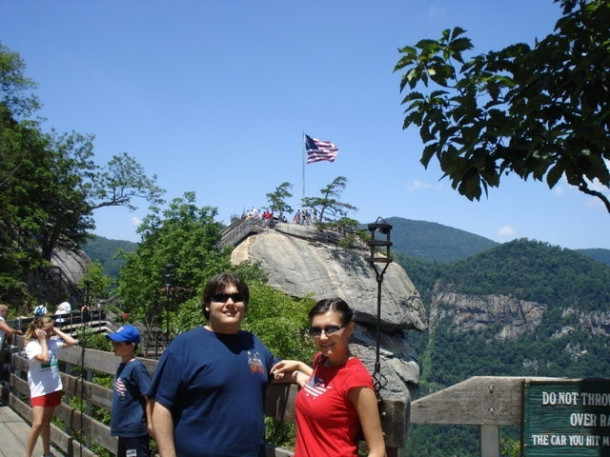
(223, 298)
(329, 330)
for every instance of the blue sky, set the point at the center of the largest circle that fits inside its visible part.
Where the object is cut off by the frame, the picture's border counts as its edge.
(214, 97)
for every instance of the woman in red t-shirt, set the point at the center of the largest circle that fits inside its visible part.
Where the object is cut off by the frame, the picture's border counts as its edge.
(336, 404)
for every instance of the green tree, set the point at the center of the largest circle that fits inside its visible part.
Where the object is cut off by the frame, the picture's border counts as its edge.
(329, 207)
(95, 283)
(49, 184)
(14, 86)
(539, 112)
(277, 199)
(184, 236)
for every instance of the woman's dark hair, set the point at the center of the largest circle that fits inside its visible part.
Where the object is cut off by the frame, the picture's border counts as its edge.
(218, 284)
(333, 304)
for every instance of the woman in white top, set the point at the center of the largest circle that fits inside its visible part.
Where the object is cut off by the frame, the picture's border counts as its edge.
(41, 348)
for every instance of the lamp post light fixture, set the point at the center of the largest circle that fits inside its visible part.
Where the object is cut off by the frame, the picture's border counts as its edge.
(381, 226)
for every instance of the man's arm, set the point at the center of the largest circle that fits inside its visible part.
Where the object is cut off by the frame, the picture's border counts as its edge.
(8, 329)
(163, 430)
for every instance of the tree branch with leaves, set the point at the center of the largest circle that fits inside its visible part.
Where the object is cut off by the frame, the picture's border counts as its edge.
(540, 112)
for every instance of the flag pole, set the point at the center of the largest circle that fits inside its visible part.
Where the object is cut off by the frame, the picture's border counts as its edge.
(303, 164)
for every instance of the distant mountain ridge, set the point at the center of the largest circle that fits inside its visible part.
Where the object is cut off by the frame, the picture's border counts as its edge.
(107, 252)
(416, 239)
(440, 243)
(435, 242)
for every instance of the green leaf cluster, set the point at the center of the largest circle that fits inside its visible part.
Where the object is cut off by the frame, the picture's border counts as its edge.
(329, 206)
(177, 254)
(539, 112)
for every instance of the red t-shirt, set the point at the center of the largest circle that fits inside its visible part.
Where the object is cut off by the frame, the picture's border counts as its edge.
(327, 422)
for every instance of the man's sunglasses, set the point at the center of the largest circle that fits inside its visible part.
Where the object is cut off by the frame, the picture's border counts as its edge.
(329, 330)
(223, 298)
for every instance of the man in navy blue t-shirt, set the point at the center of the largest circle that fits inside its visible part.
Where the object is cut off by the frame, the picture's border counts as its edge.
(209, 386)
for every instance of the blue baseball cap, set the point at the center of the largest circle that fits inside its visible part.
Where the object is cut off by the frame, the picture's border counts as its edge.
(127, 333)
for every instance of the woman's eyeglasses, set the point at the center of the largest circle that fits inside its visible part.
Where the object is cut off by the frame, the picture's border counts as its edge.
(223, 298)
(329, 330)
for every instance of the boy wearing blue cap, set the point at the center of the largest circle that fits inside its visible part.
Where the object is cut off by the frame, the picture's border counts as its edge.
(130, 410)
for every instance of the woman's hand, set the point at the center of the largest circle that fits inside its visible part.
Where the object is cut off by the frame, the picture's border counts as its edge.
(41, 334)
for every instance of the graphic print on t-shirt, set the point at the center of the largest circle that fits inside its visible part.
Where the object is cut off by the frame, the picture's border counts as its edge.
(315, 387)
(255, 362)
(119, 388)
(51, 363)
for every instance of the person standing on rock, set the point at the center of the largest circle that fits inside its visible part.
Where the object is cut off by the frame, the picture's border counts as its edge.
(336, 403)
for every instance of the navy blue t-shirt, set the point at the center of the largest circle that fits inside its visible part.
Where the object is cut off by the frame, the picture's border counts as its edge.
(131, 383)
(214, 385)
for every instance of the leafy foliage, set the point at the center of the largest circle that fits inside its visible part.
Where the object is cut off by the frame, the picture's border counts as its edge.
(539, 112)
(49, 184)
(280, 321)
(95, 283)
(181, 242)
(277, 199)
(328, 205)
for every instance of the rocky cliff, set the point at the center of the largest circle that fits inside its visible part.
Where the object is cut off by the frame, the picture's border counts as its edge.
(512, 317)
(59, 281)
(301, 265)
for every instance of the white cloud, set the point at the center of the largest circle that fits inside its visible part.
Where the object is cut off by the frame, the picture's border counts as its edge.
(135, 221)
(558, 190)
(507, 231)
(421, 185)
(435, 11)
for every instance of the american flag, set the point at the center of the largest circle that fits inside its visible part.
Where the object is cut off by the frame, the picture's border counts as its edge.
(318, 150)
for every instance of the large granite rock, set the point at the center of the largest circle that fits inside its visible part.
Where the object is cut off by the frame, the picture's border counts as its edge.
(300, 265)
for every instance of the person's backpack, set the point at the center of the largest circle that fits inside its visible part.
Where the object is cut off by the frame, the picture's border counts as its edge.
(39, 311)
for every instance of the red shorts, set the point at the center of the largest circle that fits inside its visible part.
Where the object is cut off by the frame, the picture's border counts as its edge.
(51, 400)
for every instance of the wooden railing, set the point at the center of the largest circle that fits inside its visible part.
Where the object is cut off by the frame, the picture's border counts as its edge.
(77, 360)
(488, 402)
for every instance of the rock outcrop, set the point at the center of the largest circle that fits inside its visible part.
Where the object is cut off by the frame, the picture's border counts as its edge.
(513, 317)
(476, 313)
(300, 265)
(60, 281)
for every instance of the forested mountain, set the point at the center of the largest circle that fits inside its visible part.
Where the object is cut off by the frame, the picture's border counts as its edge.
(601, 255)
(107, 252)
(522, 308)
(436, 242)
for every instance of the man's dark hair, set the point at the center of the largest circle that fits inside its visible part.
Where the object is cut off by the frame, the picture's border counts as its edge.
(218, 284)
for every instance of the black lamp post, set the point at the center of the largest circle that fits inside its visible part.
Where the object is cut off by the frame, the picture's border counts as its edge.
(85, 311)
(168, 290)
(381, 226)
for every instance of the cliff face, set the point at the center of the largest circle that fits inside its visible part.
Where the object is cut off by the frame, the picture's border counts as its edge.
(300, 266)
(513, 317)
(468, 313)
(60, 281)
